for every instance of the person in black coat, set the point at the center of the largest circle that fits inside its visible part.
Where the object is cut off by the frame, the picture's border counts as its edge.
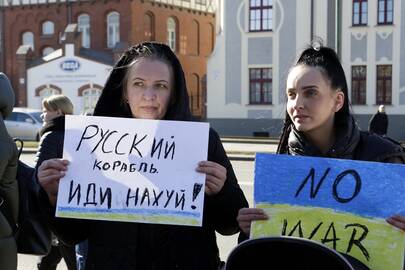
(9, 202)
(319, 123)
(379, 122)
(148, 83)
(54, 110)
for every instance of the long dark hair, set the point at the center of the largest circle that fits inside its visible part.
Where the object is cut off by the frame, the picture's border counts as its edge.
(327, 61)
(111, 100)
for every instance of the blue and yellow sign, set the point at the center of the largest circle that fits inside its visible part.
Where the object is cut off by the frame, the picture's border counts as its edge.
(341, 203)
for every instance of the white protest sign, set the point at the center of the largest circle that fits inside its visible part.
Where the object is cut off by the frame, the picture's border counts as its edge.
(133, 170)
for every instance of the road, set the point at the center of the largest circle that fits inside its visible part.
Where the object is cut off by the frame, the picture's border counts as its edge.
(244, 173)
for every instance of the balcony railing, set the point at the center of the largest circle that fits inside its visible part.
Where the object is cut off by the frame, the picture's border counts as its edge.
(200, 5)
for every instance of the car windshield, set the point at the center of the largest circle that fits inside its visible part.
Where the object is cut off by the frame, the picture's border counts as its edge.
(37, 116)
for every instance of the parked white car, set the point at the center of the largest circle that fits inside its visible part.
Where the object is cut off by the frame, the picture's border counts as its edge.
(24, 123)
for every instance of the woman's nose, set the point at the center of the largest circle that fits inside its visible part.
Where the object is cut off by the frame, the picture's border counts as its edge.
(149, 93)
(298, 102)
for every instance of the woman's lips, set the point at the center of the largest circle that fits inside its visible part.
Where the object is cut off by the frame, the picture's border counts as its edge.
(300, 117)
(149, 108)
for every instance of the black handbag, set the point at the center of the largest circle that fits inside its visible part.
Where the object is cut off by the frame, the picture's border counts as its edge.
(32, 235)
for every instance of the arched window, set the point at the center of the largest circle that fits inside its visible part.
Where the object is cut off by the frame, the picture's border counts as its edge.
(28, 39)
(48, 28)
(48, 91)
(90, 98)
(113, 29)
(172, 33)
(47, 50)
(83, 22)
(149, 26)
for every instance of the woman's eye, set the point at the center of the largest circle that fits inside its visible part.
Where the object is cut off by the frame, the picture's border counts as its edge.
(291, 95)
(139, 84)
(311, 92)
(161, 86)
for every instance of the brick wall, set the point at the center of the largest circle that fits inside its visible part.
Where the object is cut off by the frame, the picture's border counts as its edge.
(192, 50)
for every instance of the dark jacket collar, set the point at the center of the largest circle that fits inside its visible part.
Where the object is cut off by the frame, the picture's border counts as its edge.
(56, 124)
(347, 138)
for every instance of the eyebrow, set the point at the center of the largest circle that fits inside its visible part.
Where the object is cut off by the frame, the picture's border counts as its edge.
(309, 87)
(162, 81)
(139, 78)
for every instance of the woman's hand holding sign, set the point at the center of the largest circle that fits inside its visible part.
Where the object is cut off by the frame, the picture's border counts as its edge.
(247, 215)
(397, 221)
(49, 174)
(216, 176)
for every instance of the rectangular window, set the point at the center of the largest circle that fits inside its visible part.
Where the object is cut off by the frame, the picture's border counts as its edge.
(201, 2)
(260, 85)
(360, 12)
(359, 89)
(384, 84)
(260, 15)
(385, 11)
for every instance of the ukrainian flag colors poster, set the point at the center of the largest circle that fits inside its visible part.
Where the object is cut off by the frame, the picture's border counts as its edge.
(343, 204)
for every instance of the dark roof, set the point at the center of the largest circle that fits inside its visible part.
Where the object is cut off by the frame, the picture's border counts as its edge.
(98, 56)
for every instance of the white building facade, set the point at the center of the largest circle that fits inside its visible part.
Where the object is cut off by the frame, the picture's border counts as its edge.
(63, 72)
(258, 41)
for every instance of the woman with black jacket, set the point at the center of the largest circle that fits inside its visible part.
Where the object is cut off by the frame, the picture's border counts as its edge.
(54, 109)
(319, 123)
(148, 83)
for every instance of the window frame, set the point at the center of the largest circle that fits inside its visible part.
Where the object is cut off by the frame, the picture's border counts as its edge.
(385, 12)
(24, 38)
(356, 95)
(90, 96)
(261, 81)
(48, 28)
(171, 25)
(260, 8)
(386, 93)
(360, 13)
(85, 29)
(47, 48)
(114, 37)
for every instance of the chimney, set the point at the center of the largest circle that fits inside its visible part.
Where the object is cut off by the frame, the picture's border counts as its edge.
(72, 36)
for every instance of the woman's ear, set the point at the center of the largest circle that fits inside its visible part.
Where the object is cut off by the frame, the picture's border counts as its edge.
(339, 100)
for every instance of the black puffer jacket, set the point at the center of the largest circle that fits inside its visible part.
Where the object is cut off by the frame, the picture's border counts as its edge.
(51, 144)
(135, 246)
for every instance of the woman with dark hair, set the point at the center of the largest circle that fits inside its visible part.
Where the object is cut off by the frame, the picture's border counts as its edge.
(319, 123)
(148, 83)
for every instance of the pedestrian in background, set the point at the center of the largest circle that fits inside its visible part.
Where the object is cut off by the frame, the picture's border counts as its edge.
(8, 182)
(54, 109)
(379, 122)
(148, 83)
